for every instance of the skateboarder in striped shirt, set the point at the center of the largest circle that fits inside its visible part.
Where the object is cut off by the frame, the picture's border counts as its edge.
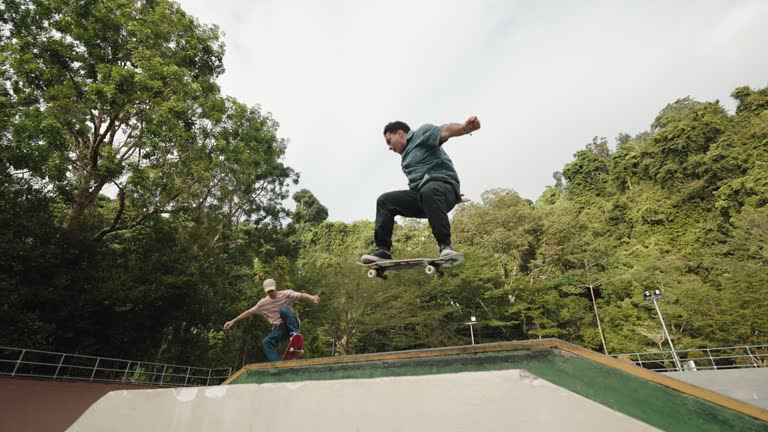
(276, 308)
(433, 184)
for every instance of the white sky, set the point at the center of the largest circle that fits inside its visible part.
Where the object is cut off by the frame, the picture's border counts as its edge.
(544, 77)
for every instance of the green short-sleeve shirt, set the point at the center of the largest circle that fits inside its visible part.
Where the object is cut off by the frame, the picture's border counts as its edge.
(424, 159)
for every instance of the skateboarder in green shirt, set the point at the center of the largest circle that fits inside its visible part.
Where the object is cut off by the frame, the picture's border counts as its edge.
(433, 185)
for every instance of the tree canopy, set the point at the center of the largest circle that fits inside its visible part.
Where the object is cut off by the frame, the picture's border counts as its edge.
(141, 209)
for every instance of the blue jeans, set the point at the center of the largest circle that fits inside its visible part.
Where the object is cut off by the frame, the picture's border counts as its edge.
(280, 333)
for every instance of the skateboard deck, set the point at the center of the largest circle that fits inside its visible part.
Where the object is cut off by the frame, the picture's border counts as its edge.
(431, 265)
(295, 347)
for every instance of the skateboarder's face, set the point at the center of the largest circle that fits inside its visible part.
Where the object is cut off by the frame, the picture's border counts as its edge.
(396, 141)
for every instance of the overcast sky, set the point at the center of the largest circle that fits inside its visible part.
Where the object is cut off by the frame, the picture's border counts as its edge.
(544, 77)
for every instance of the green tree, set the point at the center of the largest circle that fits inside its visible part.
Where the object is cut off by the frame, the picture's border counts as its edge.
(309, 210)
(590, 172)
(675, 154)
(123, 94)
(27, 244)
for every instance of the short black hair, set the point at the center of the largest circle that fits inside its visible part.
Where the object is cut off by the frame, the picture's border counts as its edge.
(396, 126)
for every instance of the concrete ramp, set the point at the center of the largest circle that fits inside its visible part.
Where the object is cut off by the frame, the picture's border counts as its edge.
(513, 399)
(544, 385)
(749, 385)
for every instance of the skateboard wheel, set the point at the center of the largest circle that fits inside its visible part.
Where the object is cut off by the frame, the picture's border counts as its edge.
(429, 269)
(371, 273)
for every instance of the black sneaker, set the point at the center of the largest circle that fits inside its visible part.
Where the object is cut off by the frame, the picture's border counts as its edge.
(377, 255)
(446, 251)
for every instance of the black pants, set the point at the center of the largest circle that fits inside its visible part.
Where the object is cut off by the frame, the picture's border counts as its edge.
(433, 201)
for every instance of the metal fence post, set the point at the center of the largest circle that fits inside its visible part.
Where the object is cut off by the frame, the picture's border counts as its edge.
(754, 363)
(18, 362)
(162, 377)
(208, 381)
(125, 376)
(711, 359)
(94, 368)
(59, 367)
(187, 377)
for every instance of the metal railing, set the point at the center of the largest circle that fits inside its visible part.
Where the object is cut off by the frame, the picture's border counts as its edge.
(752, 356)
(18, 362)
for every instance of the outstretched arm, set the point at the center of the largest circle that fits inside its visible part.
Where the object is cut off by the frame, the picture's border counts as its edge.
(242, 316)
(311, 297)
(458, 129)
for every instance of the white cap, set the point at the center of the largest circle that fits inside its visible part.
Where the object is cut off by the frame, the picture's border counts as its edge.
(270, 285)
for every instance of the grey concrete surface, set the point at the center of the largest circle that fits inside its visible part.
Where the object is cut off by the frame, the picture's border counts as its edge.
(748, 385)
(504, 400)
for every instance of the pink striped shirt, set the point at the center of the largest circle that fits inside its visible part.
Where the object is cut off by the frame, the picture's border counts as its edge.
(270, 308)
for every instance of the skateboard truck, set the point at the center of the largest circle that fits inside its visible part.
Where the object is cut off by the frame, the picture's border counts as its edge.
(377, 272)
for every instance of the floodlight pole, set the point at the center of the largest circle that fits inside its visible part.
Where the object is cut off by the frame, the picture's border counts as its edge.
(471, 323)
(657, 295)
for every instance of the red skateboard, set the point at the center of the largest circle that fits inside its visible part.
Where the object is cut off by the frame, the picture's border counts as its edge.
(295, 347)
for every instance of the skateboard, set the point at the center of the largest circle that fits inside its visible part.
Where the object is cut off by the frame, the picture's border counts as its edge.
(431, 265)
(295, 347)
